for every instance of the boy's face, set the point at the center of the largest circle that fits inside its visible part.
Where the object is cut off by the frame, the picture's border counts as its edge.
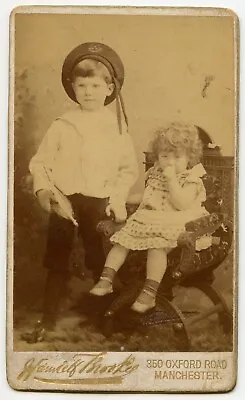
(91, 92)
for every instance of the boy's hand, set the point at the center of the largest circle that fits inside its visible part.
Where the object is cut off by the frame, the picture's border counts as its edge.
(118, 210)
(45, 198)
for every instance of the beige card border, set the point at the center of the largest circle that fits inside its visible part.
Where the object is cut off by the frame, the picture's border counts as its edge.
(16, 360)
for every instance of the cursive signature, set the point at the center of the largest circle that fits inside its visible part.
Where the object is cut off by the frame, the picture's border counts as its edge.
(82, 368)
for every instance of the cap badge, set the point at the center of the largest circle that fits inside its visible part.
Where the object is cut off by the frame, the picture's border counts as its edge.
(95, 48)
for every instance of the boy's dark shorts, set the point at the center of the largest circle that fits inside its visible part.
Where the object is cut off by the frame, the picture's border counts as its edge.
(88, 212)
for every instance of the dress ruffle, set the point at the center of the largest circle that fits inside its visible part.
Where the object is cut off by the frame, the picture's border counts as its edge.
(156, 223)
(135, 243)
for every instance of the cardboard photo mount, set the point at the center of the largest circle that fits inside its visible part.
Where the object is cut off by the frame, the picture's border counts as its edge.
(180, 64)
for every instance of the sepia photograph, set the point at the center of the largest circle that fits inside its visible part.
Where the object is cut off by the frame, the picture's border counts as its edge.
(123, 129)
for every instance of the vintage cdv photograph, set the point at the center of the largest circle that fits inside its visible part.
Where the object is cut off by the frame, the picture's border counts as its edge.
(122, 199)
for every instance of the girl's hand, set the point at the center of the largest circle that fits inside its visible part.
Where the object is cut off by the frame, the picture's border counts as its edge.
(169, 172)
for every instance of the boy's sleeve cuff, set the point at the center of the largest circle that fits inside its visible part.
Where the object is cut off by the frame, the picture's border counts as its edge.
(41, 184)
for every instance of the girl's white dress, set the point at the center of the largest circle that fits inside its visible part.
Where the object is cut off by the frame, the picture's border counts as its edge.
(157, 223)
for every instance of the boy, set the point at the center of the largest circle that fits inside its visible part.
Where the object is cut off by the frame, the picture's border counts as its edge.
(88, 156)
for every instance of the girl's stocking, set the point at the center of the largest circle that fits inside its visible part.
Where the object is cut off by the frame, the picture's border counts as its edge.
(155, 269)
(114, 261)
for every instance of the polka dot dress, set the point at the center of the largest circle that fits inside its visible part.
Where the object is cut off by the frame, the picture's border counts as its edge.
(157, 223)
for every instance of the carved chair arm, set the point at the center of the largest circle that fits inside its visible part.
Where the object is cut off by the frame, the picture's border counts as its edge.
(108, 227)
(206, 225)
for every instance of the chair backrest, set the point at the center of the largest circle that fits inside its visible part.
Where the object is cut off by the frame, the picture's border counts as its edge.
(222, 169)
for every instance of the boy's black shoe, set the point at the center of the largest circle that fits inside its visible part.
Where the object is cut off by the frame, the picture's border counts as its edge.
(39, 333)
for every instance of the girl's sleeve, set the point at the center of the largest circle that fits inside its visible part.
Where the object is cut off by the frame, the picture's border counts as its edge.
(41, 164)
(200, 189)
(127, 172)
(148, 172)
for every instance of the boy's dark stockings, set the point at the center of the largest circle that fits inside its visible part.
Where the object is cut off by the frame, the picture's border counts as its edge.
(88, 211)
(55, 289)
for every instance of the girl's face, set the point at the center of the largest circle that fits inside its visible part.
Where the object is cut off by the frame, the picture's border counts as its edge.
(179, 162)
(91, 92)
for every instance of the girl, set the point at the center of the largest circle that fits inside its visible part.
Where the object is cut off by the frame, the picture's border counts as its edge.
(173, 196)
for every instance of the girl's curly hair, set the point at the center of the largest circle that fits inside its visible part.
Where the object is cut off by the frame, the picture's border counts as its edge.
(178, 138)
